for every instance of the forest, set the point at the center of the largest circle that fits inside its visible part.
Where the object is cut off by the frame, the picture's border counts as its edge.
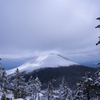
(17, 89)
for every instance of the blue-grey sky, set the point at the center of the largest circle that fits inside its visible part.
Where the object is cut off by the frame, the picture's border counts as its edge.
(32, 27)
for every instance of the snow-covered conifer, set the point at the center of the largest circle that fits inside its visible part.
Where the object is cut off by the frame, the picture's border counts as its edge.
(0, 76)
(97, 83)
(38, 86)
(34, 87)
(49, 93)
(86, 88)
(5, 82)
(31, 88)
(97, 80)
(65, 92)
(78, 94)
(88, 85)
(18, 85)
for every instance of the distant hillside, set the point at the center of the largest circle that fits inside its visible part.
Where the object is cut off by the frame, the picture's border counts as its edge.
(55, 75)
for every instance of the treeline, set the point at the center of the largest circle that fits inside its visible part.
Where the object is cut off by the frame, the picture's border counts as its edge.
(87, 89)
(20, 89)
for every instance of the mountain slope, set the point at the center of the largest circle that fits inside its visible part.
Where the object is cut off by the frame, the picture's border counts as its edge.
(45, 61)
(55, 75)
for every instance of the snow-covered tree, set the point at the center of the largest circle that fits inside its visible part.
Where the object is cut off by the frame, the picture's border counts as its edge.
(97, 80)
(38, 87)
(65, 92)
(18, 85)
(86, 87)
(97, 83)
(34, 87)
(97, 74)
(5, 83)
(0, 76)
(29, 86)
(78, 94)
(49, 92)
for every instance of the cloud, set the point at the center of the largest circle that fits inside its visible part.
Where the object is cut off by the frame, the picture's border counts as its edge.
(27, 54)
(59, 25)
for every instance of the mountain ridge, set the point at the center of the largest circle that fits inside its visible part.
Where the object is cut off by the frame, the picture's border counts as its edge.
(44, 61)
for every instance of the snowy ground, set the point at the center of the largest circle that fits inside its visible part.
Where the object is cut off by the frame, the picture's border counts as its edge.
(10, 95)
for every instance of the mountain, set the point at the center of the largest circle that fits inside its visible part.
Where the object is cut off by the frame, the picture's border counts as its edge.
(49, 60)
(52, 68)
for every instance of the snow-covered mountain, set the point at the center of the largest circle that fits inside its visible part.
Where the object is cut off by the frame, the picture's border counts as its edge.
(45, 61)
(51, 68)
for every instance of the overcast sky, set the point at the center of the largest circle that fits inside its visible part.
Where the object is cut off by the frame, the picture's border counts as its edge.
(32, 27)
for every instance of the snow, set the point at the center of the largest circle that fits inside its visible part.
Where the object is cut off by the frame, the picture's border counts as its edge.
(99, 74)
(90, 79)
(44, 61)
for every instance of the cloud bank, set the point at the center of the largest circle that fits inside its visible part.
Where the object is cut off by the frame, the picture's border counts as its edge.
(29, 28)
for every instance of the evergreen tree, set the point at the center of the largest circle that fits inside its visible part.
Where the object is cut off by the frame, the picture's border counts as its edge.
(38, 87)
(18, 85)
(34, 87)
(0, 76)
(78, 95)
(97, 74)
(97, 82)
(98, 27)
(31, 88)
(87, 84)
(87, 87)
(65, 92)
(49, 93)
(5, 83)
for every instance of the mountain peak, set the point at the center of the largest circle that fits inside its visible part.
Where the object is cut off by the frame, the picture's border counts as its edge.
(44, 61)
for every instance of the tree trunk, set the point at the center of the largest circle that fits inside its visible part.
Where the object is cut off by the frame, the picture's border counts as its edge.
(88, 95)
